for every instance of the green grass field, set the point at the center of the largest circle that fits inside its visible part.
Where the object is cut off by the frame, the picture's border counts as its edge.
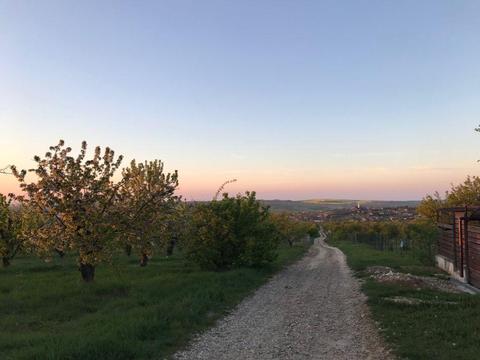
(424, 331)
(47, 312)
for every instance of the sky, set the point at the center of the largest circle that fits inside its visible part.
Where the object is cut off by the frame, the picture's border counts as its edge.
(294, 99)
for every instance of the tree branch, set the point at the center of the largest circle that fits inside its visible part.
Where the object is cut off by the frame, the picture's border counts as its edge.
(5, 171)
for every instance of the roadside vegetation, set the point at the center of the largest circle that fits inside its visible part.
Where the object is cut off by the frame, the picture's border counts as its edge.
(432, 324)
(153, 268)
(47, 312)
(414, 240)
(460, 195)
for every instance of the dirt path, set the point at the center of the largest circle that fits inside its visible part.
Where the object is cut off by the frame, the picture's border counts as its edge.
(311, 310)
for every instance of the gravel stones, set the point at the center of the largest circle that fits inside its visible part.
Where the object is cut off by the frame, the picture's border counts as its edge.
(385, 274)
(311, 310)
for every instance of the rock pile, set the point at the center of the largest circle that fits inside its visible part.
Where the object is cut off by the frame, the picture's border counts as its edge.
(385, 274)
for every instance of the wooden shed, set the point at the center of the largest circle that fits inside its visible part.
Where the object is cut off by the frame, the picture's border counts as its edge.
(458, 247)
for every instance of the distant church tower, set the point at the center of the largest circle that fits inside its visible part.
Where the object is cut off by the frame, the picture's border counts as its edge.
(358, 205)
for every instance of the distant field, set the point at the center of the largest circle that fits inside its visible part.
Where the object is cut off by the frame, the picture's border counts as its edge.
(333, 204)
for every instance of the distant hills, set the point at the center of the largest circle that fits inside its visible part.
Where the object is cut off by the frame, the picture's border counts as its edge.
(333, 204)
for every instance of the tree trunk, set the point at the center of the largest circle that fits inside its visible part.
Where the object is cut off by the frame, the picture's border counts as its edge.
(144, 260)
(128, 249)
(87, 271)
(60, 253)
(5, 261)
(171, 246)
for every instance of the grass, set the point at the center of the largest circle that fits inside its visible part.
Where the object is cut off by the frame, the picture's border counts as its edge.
(360, 256)
(423, 331)
(47, 312)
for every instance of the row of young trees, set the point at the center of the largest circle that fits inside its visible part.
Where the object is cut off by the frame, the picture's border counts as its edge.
(76, 205)
(293, 230)
(419, 237)
(73, 204)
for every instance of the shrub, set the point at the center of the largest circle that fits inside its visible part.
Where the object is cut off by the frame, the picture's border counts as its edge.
(230, 232)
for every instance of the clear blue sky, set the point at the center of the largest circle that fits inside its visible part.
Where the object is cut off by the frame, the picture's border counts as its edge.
(297, 99)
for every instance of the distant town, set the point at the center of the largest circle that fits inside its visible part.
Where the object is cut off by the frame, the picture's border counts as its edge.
(340, 210)
(359, 214)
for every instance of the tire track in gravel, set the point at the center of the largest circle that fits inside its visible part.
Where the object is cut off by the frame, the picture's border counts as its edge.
(313, 309)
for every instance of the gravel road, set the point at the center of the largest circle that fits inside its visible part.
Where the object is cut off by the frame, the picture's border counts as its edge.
(311, 310)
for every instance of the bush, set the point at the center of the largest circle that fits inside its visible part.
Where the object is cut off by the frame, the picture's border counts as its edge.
(231, 232)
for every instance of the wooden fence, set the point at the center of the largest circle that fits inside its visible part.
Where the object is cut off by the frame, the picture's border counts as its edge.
(460, 244)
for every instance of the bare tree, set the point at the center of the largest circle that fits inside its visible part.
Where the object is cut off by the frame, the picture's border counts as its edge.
(5, 170)
(220, 189)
